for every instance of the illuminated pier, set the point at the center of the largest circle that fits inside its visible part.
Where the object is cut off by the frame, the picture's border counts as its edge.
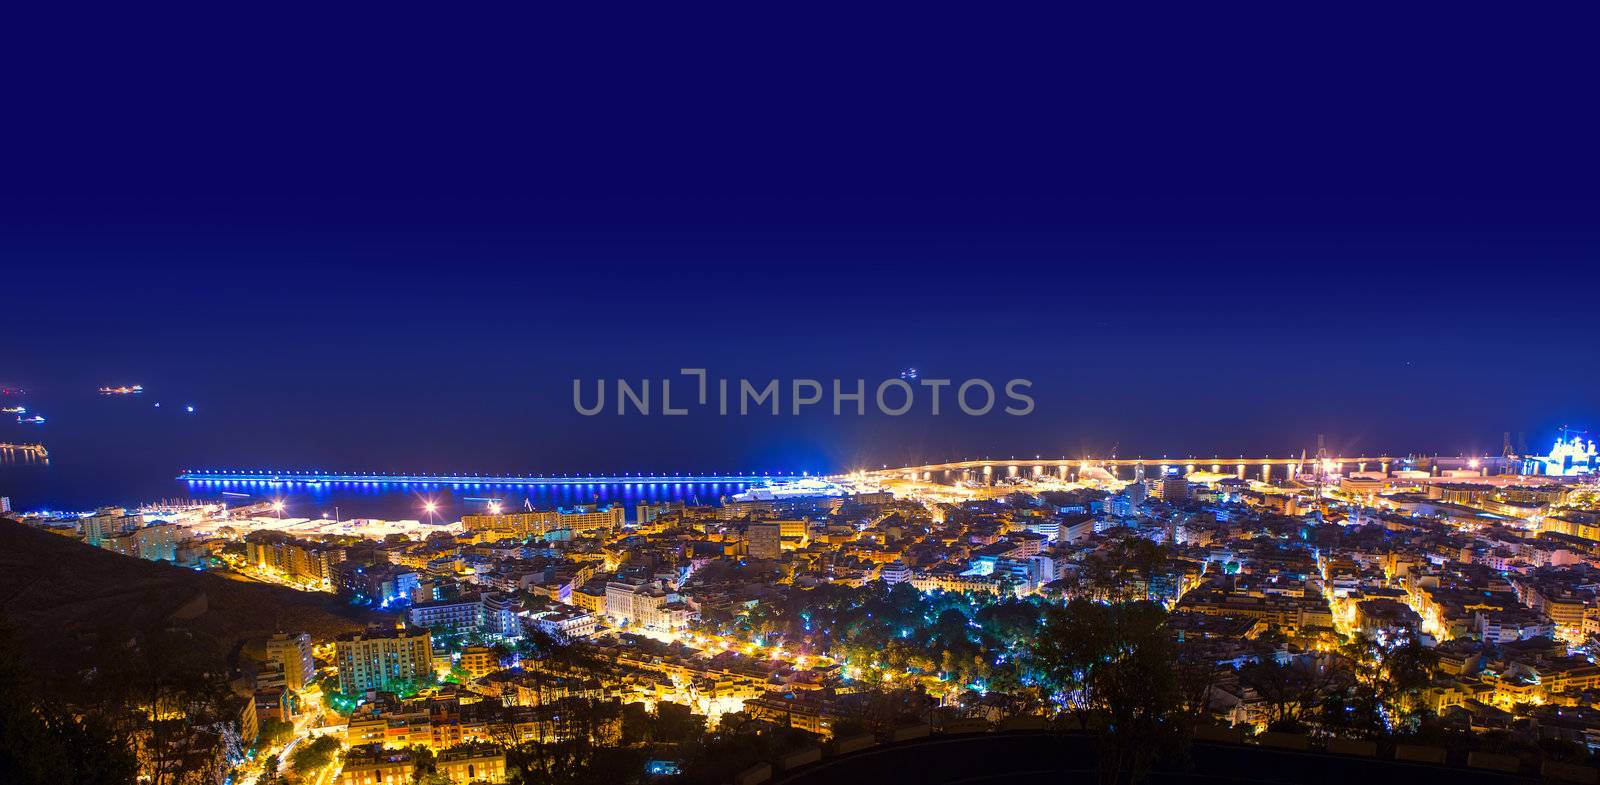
(363, 478)
(32, 450)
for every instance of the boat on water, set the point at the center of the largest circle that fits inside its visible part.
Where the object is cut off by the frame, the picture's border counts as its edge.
(808, 487)
(135, 389)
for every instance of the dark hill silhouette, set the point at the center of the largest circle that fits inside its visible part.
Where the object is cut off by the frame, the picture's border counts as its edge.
(71, 604)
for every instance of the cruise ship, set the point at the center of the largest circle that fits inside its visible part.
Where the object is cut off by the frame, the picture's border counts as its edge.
(791, 489)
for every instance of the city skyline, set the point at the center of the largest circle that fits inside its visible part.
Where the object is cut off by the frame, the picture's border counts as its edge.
(685, 397)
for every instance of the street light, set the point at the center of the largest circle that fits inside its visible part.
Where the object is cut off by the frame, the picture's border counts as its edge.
(277, 507)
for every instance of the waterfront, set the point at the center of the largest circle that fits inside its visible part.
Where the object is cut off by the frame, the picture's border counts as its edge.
(79, 487)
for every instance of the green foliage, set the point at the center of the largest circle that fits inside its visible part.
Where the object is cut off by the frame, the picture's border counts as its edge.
(425, 765)
(1117, 662)
(1138, 691)
(408, 688)
(314, 755)
(877, 629)
(273, 732)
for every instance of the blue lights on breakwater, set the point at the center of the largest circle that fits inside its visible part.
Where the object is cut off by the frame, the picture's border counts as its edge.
(210, 475)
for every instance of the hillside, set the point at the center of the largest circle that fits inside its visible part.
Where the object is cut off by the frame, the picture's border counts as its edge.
(70, 602)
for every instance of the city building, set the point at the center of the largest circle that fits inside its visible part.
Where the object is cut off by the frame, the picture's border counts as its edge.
(479, 661)
(647, 512)
(379, 583)
(502, 618)
(894, 572)
(646, 604)
(541, 524)
(563, 623)
(371, 764)
(765, 539)
(107, 522)
(463, 615)
(290, 653)
(1173, 489)
(380, 659)
(472, 763)
(294, 561)
(156, 542)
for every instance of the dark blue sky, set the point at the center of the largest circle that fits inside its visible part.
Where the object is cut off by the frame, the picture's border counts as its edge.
(393, 242)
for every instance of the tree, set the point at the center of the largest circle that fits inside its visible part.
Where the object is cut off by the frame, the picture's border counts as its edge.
(1074, 642)
(1115, 661)
(1196, 674)
(43, 743)
(1404, 670)
(272, 732)
(1286, 690)
(163, 692)
(553, 743)
(425, 766)
(1138, 689)
(314, 755)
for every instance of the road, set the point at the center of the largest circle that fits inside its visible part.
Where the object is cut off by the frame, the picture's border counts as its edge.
(305, 727)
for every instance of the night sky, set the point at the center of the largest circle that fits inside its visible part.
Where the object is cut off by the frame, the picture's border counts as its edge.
(393, 243)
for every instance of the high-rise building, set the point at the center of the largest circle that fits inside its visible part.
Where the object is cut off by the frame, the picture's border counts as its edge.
(1174, 488)
(156, 542)
(5, 504)
(291, 653)
(380, 659)
(765, 539)
(1135, 494)
(502, 616)
(645, 512)
(107, 522)
(535, 525)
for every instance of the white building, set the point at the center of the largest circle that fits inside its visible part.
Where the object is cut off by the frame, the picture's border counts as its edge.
(894, 572)
(451, 616)
(564, 623)
(650, 605)
(500, 616)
